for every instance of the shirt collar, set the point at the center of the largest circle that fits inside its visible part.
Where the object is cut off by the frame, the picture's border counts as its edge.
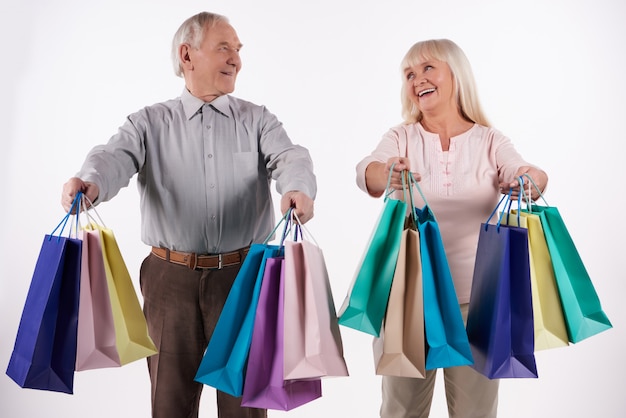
(192, 104)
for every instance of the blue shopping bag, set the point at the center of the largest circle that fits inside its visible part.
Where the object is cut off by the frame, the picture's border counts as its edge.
(44, 354)
(446, 339)
(224, 362)
(223, 365)
(500, 324)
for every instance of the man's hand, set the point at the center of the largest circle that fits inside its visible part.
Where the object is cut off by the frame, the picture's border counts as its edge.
(75, 185)
(302, 204)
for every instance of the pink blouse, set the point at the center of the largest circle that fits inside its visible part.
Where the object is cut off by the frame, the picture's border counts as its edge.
(460, 185)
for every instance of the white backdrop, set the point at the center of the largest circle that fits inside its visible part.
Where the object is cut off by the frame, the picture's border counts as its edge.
(550, 76)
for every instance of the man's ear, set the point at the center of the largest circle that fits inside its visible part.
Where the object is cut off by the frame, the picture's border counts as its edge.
(184, 56)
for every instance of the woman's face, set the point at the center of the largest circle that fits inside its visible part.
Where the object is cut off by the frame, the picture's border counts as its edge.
(430, 85)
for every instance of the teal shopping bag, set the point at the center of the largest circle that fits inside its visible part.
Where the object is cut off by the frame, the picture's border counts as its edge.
(364, 307)
(584, 316)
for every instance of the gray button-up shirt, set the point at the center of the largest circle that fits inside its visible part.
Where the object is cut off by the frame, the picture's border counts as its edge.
(204, 171)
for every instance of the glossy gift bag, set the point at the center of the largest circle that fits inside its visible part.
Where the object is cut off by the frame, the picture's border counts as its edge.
(44, 353)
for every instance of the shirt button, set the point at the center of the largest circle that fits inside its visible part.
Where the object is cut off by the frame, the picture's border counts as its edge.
(208, 126)
(210, 155)
(212, 186)
(213, 217)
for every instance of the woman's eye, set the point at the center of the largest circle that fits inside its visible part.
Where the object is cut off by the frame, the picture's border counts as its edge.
(410, 76)
(428, 67)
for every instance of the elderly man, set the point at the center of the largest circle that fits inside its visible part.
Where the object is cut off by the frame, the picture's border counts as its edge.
(204, 161)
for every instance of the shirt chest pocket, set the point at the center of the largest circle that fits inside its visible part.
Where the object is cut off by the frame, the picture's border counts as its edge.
(246, 168)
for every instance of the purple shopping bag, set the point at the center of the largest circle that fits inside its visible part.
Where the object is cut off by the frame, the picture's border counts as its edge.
(264, 385)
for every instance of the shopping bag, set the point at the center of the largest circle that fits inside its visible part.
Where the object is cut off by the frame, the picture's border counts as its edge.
(364, 307)
(549, 324)
(313, 345)
(96, 343)
(132, 339)
(265, 385)
(500, 317)
(584, 316)
(44, 353)
(223, 365)
(446, 339)
(400, 349)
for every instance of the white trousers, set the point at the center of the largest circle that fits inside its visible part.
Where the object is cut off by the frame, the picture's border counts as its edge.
(469, 394)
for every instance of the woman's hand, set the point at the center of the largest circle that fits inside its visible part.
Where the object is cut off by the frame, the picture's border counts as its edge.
(377, 175)
(540, 178)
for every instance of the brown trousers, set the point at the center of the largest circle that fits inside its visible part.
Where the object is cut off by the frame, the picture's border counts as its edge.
(182, 307)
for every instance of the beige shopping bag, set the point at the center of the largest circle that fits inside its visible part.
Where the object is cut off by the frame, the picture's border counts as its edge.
(400, 350)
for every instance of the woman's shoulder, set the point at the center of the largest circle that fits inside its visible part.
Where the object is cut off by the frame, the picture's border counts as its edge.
(488, 133)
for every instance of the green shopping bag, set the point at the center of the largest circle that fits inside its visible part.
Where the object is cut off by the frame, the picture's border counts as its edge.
(366, 302)
(584, 316)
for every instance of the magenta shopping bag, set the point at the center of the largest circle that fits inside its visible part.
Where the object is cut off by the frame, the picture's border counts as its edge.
(264, 385)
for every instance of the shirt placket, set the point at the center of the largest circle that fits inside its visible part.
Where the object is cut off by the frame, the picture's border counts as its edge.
(210, 172)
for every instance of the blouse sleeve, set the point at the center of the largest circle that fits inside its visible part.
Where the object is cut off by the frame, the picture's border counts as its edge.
(387, 148)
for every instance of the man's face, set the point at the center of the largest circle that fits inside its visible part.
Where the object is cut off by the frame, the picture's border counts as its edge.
(216, 62)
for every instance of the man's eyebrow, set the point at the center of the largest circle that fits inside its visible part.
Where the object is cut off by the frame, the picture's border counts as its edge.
(226, 43)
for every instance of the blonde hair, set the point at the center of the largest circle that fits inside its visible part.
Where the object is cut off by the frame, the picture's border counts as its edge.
(446, 51)
(192, 32)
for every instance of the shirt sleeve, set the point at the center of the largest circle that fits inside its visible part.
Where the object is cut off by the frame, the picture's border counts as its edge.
(290, 165)
(112, 165)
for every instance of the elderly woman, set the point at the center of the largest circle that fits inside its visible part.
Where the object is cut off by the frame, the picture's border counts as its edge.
(462, 164)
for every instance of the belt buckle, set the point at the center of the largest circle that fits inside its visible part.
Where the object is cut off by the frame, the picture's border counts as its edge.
(219, 261)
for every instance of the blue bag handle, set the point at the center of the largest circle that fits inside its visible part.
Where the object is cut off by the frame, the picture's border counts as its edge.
(63, 223)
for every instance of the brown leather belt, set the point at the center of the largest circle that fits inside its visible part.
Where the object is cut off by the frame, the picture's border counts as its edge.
(195, 261)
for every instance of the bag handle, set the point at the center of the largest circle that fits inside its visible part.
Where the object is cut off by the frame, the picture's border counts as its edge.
(63, 223)
(527, 197)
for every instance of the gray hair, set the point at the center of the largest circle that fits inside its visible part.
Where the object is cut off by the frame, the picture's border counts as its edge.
(192, 32)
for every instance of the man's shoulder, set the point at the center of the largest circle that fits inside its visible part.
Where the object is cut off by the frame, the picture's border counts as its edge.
(244, 105)
(159, 109)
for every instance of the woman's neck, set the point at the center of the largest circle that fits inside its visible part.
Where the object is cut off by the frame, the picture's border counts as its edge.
(446, 127)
